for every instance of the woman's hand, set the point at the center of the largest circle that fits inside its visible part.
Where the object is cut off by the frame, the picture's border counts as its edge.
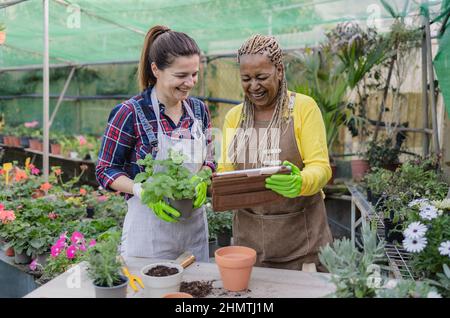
(287, 185)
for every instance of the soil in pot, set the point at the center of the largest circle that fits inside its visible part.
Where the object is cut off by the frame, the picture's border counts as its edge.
(161, 271)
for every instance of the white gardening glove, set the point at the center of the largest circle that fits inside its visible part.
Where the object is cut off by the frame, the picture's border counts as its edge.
(137, 190)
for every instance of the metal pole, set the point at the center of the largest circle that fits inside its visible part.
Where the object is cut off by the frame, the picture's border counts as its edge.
(61, 96)
(426, 140)
(46, 90)
(431, 77)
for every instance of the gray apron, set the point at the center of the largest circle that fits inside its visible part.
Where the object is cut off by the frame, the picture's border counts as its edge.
(144, 234)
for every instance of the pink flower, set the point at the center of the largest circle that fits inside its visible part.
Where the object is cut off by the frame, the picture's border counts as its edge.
(92, 243)
(71, 250)
(77, 237)
(102, 198)
(63, 235)
(33, 265)
(82, 247)
(7, 216)
(55, 250)
(81, 140)
(52, 215)
(2, 206)
(35, 171)
(31, 124)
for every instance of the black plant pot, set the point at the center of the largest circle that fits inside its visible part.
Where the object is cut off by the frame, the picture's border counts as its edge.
(392, 231)
(25, 142)
(90, 212)
(224, 239)
(213, 246)
(369, 195)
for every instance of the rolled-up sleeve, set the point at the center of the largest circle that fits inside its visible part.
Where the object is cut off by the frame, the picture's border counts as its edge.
(118, 140)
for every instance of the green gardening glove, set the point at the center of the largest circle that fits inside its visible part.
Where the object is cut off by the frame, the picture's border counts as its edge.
(200, 191)
(287, 185)
(165, 212)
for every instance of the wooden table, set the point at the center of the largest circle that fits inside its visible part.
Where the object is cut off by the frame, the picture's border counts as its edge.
(264, 283)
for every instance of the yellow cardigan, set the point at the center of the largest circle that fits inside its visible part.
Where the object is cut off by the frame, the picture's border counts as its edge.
(311, 140)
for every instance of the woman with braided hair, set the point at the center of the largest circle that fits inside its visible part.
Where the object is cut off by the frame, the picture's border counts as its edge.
(272, 127)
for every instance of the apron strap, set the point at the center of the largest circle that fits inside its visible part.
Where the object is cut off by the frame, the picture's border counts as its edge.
(197, 110)
(147, 127)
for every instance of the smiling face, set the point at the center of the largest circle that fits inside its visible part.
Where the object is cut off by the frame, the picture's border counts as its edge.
(176, 81)
(260, 79)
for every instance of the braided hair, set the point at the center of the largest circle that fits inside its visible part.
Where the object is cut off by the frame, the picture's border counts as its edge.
(268, 45)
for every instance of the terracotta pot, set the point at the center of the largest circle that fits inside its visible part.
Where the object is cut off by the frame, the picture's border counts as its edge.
(177, 295)
(359, 168)
(55, 149)
(235, 265)
(9, 252)
(36, 144)
(12, 141)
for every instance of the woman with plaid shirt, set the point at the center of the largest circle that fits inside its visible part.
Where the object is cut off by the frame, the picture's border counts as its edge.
(161, 118)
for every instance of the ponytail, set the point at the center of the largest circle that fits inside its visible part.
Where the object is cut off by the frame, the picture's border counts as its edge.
(146, 77)
(162, 46)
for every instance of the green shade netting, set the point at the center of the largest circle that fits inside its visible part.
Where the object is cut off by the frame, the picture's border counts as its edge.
(442, 61)
(93, 31)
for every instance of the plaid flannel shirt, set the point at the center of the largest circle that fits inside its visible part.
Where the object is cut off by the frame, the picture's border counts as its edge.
(125, 141)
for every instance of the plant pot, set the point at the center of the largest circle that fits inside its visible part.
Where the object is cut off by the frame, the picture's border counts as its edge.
(119, 291)
(55, 149)
(359, 169)
(25, 142)
(73, 155)
(36, 144)
(185, 207)
(9, 252)
(392, 231)
(177, 295)
(12, 141)
(42, 259)
(90, 212)
(235, 265)
(156, 287)
(224, 238)
(21, 258)
(213, 246)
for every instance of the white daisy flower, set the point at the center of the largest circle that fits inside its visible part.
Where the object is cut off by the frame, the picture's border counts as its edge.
(415, 230)
(433, 294)
(428, 212)
(416, 202)
(415, 245)
(444, 248)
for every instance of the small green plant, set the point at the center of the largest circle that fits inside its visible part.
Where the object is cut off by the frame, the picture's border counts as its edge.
(174, 181)
(355, 273)
(2, 27)
(378, 180)
(218, 222)
(104, 264)
(409, 289)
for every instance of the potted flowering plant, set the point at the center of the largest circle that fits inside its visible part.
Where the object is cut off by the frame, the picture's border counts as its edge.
(11, 136)
(427, 236)
(36, 140)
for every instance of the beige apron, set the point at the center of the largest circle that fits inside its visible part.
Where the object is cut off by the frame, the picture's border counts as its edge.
(288, 232)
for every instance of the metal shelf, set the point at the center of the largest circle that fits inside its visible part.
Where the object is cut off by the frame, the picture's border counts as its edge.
(397, 257)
